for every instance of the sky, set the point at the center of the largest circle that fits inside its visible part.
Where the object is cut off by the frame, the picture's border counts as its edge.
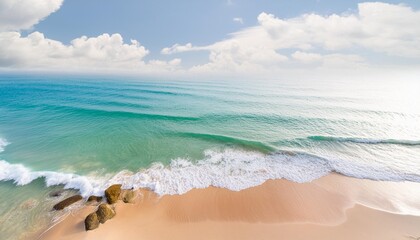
(231, 38)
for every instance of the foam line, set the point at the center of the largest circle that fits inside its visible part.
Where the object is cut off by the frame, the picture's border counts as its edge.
(231, 169)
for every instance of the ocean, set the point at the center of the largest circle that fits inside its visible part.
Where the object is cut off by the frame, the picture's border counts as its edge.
(87, 132)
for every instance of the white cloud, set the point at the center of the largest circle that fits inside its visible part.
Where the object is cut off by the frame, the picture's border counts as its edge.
(23, 14)
(305, 57)
(321, 41)
(160, 65)
(238, 20)
(329, 60)
(240, 57)
(177, 48)
(105, 52)
(377, 26)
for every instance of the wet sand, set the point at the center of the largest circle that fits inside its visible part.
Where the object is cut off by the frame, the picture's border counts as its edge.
(333, 207)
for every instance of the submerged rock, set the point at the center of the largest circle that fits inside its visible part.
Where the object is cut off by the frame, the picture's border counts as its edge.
(94, 198)
(67, 202)
(91, 221)
(56, 193)
(105, 212)
(129, 196)
(112, 193)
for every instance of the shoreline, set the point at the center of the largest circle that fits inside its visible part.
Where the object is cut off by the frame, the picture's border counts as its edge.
(332, 207)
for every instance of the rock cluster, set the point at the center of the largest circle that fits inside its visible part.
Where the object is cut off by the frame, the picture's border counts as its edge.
(105, 211)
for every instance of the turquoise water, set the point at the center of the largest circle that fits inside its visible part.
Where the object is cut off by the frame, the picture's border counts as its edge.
(85, 133)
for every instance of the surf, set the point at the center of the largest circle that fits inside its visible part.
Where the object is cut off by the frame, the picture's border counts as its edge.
(230, 168)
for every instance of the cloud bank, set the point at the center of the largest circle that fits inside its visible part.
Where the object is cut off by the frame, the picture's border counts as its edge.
(102, 52)
(346, 42)
(315, 41)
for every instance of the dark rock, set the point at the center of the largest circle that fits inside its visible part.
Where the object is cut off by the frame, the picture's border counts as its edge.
(67, 202)
(112, 193)
(105, 212)
(94, 198)
(56, 193)
(91, 221)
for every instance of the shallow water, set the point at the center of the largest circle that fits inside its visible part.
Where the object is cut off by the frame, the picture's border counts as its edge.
(88, 132)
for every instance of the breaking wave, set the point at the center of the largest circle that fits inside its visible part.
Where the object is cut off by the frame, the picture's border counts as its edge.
(231, 169)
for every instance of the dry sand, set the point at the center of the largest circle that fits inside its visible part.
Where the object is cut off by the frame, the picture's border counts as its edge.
(333, 207)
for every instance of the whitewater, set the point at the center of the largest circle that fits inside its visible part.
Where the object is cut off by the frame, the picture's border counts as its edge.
(232, 169)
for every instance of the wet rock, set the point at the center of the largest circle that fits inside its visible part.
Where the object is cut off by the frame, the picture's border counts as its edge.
(112, 193)
(91, 221)
(94, 199)
(67, 202)
(105, 212)
(129, 196)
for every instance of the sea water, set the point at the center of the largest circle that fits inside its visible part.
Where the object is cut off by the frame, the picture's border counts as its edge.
(85, 133)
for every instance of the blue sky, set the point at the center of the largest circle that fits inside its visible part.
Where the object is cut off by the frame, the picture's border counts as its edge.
(161, 23)
(229, 37)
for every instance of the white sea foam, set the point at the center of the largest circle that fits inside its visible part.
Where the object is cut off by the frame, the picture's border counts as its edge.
(238, 170)
(22, 175)
(231, 169)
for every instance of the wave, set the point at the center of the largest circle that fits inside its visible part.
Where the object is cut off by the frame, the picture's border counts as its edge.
(22, 175)
(365, 140)
(248, 144)
(231, 169)
(114, 113)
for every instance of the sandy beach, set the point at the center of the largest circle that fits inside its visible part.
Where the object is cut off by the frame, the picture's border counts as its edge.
(333, 207)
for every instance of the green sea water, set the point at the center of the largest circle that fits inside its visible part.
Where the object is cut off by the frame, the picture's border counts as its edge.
(84, 133)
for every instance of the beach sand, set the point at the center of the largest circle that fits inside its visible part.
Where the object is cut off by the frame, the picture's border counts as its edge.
(333, 207)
